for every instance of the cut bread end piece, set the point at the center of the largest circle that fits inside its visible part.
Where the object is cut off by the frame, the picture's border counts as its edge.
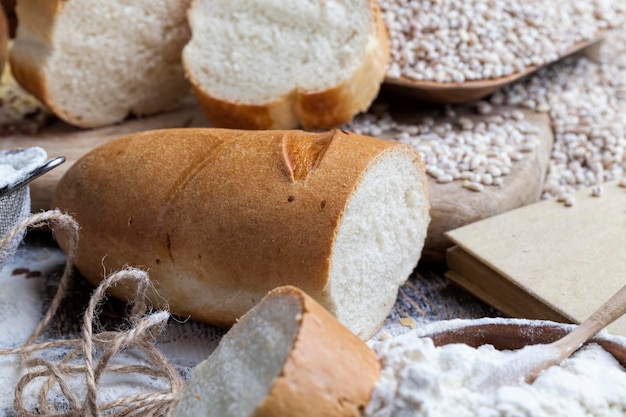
(379, 241)
(286, 356)
(271, 65)
(93, 64)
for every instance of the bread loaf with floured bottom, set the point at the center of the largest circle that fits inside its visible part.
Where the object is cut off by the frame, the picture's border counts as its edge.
(220, 217)
(285, 357)
(95, 62)
(268, 64)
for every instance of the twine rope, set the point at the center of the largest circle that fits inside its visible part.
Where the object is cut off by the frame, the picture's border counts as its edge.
(90, 355)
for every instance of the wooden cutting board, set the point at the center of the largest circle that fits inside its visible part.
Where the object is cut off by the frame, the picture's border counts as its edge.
(60, 138)
(452, 205)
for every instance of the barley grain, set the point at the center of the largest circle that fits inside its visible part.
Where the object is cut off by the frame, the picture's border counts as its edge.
(459, 148)
(474, 186)
(587, 116)
(459, 40)
(597, 191)
(569, 201)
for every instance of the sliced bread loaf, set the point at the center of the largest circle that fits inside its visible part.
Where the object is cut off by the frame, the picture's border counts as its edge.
(95, 62)
(286, 357)
(220, 217)
(276, 64)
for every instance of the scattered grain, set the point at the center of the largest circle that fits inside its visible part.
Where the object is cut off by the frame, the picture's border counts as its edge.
(480, 149)
(408, 322)
(597, 191)
(462, 40)
(587, 115)
(473, 185)
(569, 201)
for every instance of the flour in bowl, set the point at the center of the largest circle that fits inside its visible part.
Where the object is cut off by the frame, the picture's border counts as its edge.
(420, 379)
(6, 170)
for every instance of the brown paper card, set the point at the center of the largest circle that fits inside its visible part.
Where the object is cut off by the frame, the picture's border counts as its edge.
(545, 260)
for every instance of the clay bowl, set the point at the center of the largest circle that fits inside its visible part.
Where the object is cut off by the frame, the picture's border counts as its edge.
(507, 334)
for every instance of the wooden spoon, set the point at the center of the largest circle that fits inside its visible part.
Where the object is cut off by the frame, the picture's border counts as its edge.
(457, 93)
(527, 363)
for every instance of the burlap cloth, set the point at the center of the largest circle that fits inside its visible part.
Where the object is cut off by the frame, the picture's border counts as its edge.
(30, 279)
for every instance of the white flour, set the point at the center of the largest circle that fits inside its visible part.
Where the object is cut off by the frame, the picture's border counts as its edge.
(15, 164)
(21, 307)
(419, 379)
(5, 171)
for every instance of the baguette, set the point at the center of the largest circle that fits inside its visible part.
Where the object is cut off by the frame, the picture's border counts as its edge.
(285, 357)
(220, 217)
(267, 65)
(95, 62)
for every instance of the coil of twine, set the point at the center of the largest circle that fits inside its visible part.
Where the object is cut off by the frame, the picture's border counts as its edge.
(89, 356)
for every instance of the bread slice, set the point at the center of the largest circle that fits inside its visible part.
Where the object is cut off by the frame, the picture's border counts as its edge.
(268, 64)
(286, 357)
(220, 217)
(95, 62)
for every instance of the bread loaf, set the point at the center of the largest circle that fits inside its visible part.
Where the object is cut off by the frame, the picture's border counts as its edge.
(220, 217)
(95, 62)
(268, 64)
(4, 39)
(285, 357)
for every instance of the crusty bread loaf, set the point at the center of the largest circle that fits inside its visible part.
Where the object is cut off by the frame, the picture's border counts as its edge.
(95, 62)
(4, 39)
(8, 6)
(285, 357)
(219, 217)
(266, 64)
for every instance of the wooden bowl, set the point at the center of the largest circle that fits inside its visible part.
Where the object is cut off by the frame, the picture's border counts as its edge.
(458, 93)
(507, 334)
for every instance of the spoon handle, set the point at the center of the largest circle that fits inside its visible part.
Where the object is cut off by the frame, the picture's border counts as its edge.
(611, 310)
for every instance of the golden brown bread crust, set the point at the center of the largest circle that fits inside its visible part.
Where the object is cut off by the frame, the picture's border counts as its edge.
(170, 201)
(36, 19)
(316, 110)
(330, 371)
(243, 116)
(323, 369)
(4, 39)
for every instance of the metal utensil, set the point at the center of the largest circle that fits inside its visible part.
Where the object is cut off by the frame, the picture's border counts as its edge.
(35, 173)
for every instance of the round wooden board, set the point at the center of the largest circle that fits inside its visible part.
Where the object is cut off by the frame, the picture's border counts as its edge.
(454, 206)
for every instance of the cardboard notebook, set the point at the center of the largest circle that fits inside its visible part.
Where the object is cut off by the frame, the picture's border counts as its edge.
(546, 260)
